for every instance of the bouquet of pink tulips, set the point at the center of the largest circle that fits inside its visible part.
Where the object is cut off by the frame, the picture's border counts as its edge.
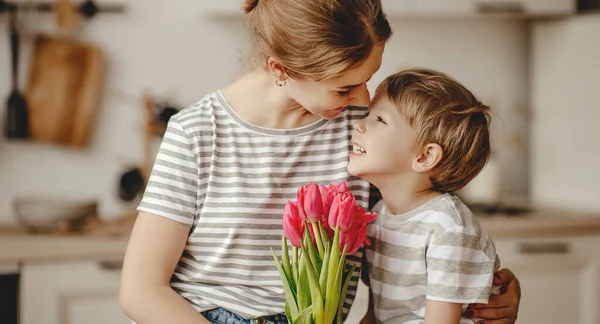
(314, 277)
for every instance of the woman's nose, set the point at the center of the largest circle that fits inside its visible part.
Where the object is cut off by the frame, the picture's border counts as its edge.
(360, 97)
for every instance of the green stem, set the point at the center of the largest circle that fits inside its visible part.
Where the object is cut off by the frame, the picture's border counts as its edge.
(317, 233)
(334, 258)
(295, 264)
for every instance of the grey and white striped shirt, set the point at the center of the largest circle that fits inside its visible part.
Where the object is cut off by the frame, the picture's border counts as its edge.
(437, 252)
(229, 180)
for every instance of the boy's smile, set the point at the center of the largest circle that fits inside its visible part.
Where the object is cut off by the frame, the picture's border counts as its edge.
(357, 149)
(388, 137)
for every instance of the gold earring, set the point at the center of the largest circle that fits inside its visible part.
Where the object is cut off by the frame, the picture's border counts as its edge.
(280, 82)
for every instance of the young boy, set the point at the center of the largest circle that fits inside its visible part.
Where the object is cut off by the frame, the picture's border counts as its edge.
(426, 136)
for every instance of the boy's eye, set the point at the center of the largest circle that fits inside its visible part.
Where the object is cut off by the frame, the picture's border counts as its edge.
(379, 119)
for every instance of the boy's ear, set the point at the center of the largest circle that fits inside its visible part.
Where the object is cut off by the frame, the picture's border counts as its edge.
(428, 158)
(276, 68)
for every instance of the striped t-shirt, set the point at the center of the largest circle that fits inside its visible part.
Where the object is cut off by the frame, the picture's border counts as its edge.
(229, 181)
(437, 252)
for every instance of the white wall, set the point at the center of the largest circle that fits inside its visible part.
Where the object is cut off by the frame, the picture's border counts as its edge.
(565, 160)
(170, 47)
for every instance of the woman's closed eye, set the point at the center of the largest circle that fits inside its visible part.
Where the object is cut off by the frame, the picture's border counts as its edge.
(345, 93)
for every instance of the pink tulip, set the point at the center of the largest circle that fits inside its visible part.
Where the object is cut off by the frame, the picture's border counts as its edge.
(343, 211)
(364, 217)
(328, 230)
(353, 238)
(327, 195)
(353, 233)
(293, 225)
(340, 187)
(310, 202)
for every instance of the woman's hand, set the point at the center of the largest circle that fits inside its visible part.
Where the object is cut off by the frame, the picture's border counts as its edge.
(503, 308)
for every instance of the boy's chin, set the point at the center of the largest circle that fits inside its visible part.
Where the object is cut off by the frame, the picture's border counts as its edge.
(358, 171)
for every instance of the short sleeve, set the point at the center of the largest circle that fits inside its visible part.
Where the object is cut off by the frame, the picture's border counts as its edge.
(460, 267)
(173, 184)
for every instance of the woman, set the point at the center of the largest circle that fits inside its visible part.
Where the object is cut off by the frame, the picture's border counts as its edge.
(199, 251)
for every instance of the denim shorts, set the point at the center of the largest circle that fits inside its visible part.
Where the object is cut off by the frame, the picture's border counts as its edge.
(223, 316)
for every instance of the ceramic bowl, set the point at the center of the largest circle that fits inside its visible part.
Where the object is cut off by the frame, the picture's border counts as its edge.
(47, 214)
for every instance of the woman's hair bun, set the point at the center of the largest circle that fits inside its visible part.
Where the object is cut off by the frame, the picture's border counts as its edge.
(249, 5)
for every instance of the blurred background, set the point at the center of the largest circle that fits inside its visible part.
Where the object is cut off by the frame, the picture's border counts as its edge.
(86, 94)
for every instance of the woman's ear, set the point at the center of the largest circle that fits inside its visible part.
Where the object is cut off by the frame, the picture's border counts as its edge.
(276, 68)
(430, 156)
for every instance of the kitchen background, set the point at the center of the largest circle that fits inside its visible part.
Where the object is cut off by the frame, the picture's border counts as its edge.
(535, 62)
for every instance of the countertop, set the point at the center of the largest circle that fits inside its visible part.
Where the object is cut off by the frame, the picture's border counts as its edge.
(549, 222)
(109, 243)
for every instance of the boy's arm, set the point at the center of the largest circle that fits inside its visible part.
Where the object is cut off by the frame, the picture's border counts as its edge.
(460, 268)
(437, 312)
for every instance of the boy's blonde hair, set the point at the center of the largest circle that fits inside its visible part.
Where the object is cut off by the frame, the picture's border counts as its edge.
(443, 111)
(316, 39)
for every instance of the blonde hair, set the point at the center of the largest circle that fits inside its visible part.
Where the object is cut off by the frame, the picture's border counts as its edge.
(443, 111)
(316, 39)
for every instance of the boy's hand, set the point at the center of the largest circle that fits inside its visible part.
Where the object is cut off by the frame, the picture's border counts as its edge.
(503, 308)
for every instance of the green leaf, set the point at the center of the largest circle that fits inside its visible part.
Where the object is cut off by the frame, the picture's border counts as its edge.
(340, 311)
(286, 286)
(305, 317)
(334, 285)
(334, 258)
(288, 312)
(303, 289)
(315, 291)
(295, 264)
(285, 260)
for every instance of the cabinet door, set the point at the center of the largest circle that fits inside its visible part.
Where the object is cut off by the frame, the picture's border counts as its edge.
(560, 278)
(71, 293)
(549, 7)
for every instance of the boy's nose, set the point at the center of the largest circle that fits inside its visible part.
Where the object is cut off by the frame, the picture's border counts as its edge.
(360, 97)
(359, 126)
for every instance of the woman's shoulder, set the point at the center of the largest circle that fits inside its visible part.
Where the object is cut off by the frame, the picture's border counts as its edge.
(199, 110)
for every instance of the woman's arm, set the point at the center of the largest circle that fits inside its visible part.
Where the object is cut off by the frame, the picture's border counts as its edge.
(437, 312)
(154, 248)
(369, 317)
(503, 308)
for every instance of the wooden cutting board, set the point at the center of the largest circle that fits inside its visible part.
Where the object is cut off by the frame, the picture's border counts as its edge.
(63, 90)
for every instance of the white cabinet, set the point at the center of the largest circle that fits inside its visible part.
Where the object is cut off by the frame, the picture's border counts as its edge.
(525, 8)
(438, 8)
(559, 276)
(547, 7)
(71, 293)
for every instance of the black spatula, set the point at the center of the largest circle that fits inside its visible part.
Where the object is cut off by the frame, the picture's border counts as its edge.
(17, 116)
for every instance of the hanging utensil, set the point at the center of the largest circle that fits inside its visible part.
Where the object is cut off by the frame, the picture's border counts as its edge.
(17, 115)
